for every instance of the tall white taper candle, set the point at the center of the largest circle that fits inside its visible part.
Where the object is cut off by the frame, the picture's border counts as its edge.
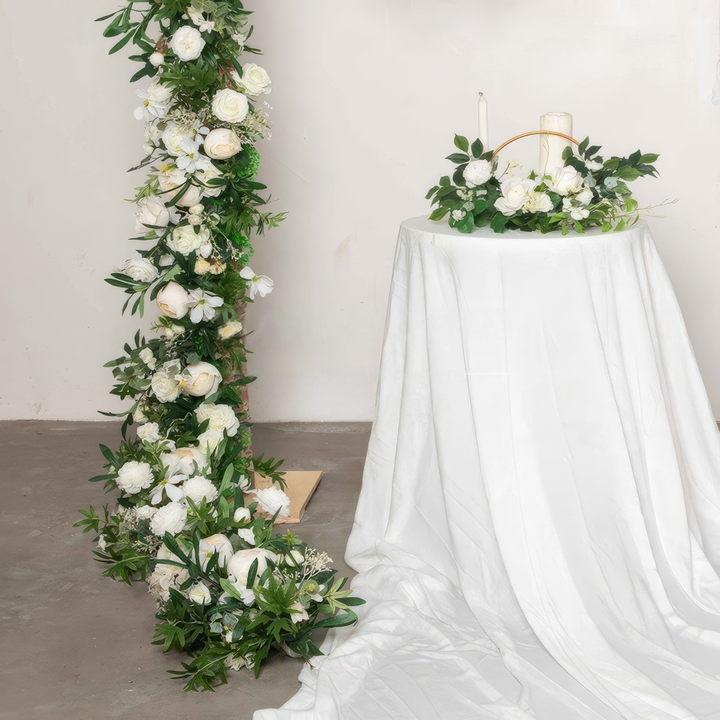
(483, 122)
(552, 146)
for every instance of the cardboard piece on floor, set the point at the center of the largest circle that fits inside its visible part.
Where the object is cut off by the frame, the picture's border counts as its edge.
(300, 487)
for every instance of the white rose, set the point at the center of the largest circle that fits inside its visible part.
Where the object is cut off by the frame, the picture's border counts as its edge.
(565, 181)
(205, 176)
(170, 179)
(199, 487)
(173, 301)
(165, 383)
(239, 565)
(477, 172)
(247, 535)
(191, 459)
(151, 211)
(173, 135)
(230, 106)
(201, 379)
(149, 432)
(145, 512)
(146, 355)
(254, 79)
(169, 518)
(221, 417)
(209, 440)
(156, 59)
(242, 514)
(222, 143)
(172, 462)
(199, 594)
(538, 202)
(230, 329)
(215, 544)
(272, 500)
(187, 43)
(140, 269)
(515, 193)
(585, 196)
(135, 476)
(185, 239)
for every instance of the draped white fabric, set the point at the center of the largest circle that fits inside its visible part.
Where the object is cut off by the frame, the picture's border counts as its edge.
(538, 533)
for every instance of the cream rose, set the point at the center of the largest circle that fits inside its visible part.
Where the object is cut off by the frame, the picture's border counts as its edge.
(222, 143)
(156, 59)
(221, 417)
(151, 211)
(186, 238)
(173, 301)
(239, 564)
(140, 269)
(201, 378)
(169, 518)
(135, 476)
(171, 179)
(565, 181)
(254, 79)
(515, 194)
(230, 329)
(230, 106)
(202, 266)
(187, 43)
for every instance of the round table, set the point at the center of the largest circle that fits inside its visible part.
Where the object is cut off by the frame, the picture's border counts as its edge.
(538, 533)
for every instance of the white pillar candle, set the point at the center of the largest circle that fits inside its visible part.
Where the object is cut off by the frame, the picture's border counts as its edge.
(483, 122)
(552, 146)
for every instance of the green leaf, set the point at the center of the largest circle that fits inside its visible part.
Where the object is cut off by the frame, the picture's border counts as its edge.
(341, 620)
(499, 222)
(439, 214)
(467, 224)
(648, 158)
(461, 143)
(458, 158)
(477, 149)
(120, 45)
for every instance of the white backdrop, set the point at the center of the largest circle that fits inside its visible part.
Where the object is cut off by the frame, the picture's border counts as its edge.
(366, 97)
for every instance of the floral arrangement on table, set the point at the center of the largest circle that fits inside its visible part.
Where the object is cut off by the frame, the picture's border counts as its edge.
(586, 192)
(227, 590)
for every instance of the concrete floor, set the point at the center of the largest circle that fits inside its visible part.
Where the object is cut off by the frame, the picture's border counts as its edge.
(75, 645)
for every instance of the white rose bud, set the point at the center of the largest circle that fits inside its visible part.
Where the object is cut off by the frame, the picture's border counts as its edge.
(247, 535)
(230, 329)
(198, 209)
(135, 476)
(242, 514)
(201, 379)
(187, 43)
(221, 144)
(191, 196)
(170, 333)
(215, 544)
(146, 355)
(173, 301)
(169, 518)
(254, 79)
(230, 106)
(156, 59)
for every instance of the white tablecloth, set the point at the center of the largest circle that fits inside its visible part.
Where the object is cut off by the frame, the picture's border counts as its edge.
(538, 534)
